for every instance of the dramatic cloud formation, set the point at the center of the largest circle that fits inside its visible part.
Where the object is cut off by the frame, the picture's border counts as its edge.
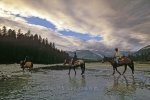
(120, 23)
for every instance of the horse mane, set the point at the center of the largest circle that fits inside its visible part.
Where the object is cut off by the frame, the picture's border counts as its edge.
(109, 58)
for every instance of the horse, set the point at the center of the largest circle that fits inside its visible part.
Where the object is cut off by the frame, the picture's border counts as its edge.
(77, 63)
(124, 61)
(27, 64)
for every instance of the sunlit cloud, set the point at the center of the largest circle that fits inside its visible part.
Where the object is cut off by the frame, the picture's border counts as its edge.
(120, 23)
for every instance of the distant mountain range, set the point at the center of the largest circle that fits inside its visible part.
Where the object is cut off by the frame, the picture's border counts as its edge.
(143, 54)
(143, 51)
(94, 54)
(86, 54)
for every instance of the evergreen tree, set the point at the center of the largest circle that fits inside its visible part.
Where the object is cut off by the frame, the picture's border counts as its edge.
(14, 47)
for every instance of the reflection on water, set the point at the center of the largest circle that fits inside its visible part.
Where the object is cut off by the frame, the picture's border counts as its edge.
(77, 83)
(126, 87)
(122, 86)
(98, 84)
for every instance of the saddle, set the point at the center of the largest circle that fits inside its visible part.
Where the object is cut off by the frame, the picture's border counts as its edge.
(74, 61)
(124, 60)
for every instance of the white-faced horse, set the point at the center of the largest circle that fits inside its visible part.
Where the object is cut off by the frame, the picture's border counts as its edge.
(28, 65)
(74, 64)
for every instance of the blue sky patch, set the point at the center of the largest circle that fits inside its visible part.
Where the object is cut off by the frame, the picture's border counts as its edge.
(80, 35)
(45, 23)
(39, 21)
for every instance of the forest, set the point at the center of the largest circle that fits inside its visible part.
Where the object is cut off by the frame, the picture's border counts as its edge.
(15, 46)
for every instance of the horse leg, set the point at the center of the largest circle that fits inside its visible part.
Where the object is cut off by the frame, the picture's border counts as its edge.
(30, 69)
(132, 64)
(118, 71)
(74, 69)
(113, 70)
(83, 68)
(132, 68)
(69, 70)
(23, 69)
(125, 68)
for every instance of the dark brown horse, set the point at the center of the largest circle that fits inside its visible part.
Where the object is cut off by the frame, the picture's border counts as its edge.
(28, 65)
(75, 64)
(124, 61)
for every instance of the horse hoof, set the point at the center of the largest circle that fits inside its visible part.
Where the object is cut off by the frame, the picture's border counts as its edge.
(82, 73)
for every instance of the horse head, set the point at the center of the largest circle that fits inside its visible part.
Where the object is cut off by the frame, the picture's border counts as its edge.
(108, 59)
(67, 61)
(22, 63)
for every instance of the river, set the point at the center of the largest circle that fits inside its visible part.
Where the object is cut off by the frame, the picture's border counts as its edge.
(96, 84)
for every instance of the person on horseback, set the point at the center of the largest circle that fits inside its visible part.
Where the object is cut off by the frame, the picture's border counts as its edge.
(117, 55)
(74, 58)
(26, 59)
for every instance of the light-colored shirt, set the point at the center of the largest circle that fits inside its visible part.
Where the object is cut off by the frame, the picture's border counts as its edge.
(118, 54)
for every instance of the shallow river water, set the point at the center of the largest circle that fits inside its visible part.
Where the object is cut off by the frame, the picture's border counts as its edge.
(96, 84)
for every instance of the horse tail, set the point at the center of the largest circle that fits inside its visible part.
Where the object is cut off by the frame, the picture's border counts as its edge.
(84, 65)
(132, 64)
(32, 65)
(83, 68)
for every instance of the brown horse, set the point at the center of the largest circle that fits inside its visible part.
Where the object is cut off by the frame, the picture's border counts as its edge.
(77, 63)
(28, 65)
(124, 61)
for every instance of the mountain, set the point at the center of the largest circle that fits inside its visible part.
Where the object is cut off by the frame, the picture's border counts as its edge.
(143, 53)
(110, 53)
(86, 54)
(96, 54)
(144, 50)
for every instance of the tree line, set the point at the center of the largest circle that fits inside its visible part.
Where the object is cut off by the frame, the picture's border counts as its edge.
(142, 56)
(15, 46)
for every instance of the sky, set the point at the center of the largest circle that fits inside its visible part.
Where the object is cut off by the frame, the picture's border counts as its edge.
(82, 24)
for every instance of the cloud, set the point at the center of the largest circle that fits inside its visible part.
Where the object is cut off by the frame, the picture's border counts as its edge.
(61, 41)
(121, 23)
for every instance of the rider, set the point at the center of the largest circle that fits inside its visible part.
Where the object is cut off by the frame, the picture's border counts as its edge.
(74, 58)
(117, 55)
(26, 59)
